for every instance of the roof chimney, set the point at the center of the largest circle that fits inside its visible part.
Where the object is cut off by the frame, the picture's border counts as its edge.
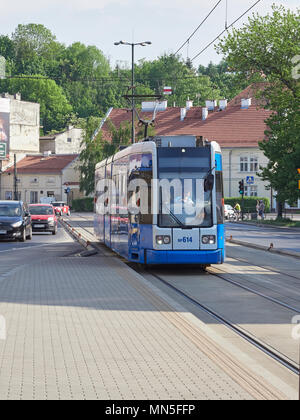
(246, 103)
(210, 105)
(223, 104)
(182, 113)
(189, 104)
(204, 113)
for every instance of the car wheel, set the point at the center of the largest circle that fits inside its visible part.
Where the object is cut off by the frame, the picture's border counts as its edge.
(30, 234)
(54, 232)
(23, 237)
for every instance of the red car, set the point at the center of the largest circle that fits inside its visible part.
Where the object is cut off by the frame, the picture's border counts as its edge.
(43, 218)
(61, 208)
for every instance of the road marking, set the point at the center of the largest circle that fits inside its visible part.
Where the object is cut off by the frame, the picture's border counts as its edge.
(25, 247)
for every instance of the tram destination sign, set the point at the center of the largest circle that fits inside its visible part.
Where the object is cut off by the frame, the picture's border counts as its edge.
(2, 151)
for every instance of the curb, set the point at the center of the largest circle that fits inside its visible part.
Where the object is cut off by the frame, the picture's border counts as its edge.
(268, 226)
(264, 248)
(90, 250)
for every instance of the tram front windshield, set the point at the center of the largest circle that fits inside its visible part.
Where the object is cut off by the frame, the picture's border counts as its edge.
(182, 200)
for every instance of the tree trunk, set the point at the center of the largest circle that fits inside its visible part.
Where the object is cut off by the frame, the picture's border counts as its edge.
(279, 210)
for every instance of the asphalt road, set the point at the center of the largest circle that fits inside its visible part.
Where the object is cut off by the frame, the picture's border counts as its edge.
(282, 238)
(14, 255)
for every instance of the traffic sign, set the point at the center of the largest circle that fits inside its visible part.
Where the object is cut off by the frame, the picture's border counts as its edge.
(167, 90)
(250, 179)
(2, 150)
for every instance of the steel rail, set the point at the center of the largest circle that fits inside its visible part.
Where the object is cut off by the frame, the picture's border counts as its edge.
(274, 354)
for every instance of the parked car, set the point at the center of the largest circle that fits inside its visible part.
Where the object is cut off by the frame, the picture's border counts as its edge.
(15, 221)
(228, 211)
(61, 208)
(43, 218)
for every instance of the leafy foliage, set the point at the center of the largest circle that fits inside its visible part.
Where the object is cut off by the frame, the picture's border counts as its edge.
(265, 48)
(97, 149)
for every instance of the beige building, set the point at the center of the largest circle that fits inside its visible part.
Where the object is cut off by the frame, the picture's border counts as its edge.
(65, 142)
(40, 176)
(24, 127)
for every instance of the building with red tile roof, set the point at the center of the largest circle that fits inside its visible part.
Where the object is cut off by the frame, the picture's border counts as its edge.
(43, 175)
(238, 126)
(230, 127)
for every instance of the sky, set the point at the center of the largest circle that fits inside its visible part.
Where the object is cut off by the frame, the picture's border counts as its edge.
(166, 23)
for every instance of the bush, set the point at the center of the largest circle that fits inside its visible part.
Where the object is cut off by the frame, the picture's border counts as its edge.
(249, 203)
(83, 204)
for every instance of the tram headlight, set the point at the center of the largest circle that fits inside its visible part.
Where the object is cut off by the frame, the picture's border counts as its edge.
(163, 240)
(160, 240)
(208, 239)
(167, 240)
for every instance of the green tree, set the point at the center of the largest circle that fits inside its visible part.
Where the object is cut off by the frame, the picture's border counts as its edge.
(96, 148)
(55, 110)
(171, 70)
(229, 84)
(84, 72)
(266, 47)
(7, 50)
(36, 50)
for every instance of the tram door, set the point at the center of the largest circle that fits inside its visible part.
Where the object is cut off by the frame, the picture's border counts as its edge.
(139, 206)
(107, 217)
(133, 216)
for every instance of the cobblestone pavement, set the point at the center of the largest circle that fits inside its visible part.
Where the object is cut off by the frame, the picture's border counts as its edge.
(80, 328)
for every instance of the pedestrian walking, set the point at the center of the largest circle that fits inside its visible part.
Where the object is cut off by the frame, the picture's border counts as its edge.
(261, 211)
(257, 208)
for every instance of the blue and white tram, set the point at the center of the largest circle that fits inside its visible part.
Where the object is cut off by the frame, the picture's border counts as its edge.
(161, 201)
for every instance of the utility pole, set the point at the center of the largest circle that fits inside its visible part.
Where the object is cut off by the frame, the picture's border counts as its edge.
(132, 94)
(143, 44)
(15, 178)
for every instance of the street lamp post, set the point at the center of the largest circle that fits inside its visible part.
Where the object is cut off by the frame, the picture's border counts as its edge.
(143, 44)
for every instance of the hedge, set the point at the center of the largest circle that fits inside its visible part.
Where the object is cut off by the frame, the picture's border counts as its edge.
(249, 203)
(83, 204)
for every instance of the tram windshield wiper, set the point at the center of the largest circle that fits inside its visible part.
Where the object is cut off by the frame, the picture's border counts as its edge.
(170, 212)
(176, 219)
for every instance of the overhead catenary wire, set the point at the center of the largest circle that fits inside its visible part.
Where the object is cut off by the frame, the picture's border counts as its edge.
(225, 30)
(198, 27)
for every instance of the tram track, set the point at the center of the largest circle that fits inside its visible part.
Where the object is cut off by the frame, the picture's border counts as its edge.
(256, 292)
(266, 349)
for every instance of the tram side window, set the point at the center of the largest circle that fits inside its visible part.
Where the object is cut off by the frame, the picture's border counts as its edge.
(142, 195)
(219, 197)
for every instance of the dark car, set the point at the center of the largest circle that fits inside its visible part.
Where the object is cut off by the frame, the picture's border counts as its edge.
(43, 218)
(15, 221)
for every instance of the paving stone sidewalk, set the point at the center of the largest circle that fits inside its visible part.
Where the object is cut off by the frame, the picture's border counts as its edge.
(78, 329)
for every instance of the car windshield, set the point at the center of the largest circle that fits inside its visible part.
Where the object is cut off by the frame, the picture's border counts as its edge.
(8, 210)
(41, 210)
(183, 201)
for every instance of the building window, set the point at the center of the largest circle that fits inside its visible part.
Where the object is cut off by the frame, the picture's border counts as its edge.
(250, 191)
(8, 195)
(243, 164)
(34, 180)
(253, 164)
(33, 197)
(51, 180)
(69, 140)
(248, 164)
